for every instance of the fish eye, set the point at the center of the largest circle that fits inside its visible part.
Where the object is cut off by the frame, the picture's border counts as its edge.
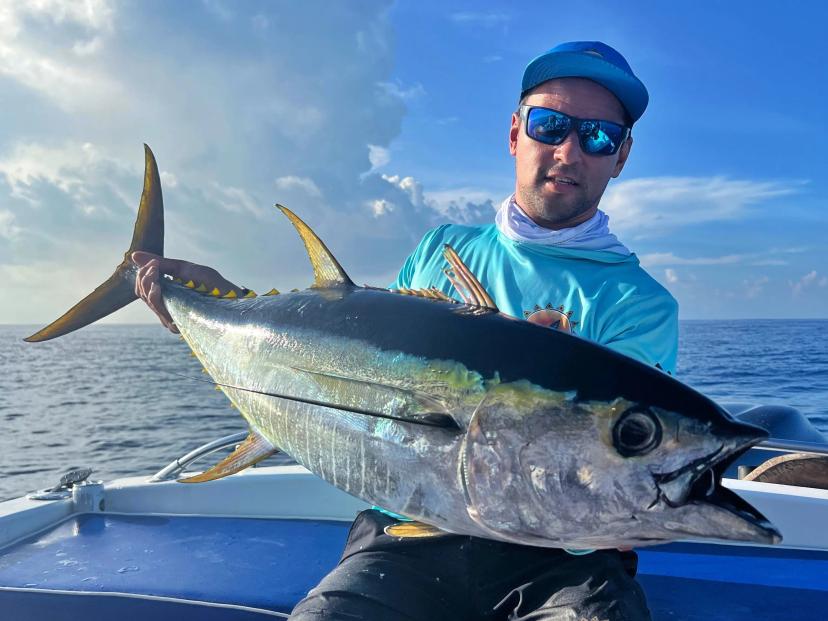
(637, 432)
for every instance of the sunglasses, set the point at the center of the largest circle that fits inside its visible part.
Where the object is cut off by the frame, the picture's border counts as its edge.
(552, 127)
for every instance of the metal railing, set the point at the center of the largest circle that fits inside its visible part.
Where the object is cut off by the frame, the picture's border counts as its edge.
(172, 470)
(794, 446)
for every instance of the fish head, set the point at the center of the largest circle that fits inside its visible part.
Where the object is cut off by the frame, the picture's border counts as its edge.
(607, 474)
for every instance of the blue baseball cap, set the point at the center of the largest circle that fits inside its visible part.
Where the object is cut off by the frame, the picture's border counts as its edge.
(594, 61)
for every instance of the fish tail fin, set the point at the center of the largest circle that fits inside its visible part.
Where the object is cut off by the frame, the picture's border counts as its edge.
(119, 289)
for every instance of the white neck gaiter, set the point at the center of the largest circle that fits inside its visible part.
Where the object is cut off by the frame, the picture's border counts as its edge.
(593, 234)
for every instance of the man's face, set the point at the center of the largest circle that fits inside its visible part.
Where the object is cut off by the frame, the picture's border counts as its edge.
(539, 167)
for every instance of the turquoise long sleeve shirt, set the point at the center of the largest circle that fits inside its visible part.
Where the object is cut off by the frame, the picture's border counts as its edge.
(602, 296)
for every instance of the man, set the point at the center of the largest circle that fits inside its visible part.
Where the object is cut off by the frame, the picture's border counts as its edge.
(551, 259)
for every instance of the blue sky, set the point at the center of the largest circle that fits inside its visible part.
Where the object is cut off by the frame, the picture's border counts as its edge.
(376, 120)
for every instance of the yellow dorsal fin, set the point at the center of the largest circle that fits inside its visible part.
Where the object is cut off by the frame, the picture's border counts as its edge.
(254, 449)
(410, 530)
(326, 269)
(432, 293)
(202, 288)
(465, 282)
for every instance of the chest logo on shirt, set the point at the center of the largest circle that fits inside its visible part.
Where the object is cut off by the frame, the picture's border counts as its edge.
(551, 317)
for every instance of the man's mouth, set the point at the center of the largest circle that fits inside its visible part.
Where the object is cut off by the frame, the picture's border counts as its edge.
(562, 180)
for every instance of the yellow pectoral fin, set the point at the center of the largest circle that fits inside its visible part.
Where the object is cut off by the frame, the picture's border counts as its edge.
(254, 449)
(410, 530)
(465, 282)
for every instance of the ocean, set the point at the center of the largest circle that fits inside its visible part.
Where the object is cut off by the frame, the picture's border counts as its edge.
(112, 397)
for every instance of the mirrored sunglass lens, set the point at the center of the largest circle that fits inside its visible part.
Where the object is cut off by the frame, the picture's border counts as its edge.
(547, 125)
(600, 137)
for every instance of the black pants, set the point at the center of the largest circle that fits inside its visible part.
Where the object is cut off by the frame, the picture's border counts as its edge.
(456, 578)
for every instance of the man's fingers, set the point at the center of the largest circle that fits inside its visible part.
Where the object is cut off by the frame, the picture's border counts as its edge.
(139, 257)
(173, 267)
(148, 286)
(144, 279)
(157, 305)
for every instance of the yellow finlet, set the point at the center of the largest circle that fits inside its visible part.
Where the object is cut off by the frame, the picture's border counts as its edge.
(178, 280)
(215, 292)
(190, 284)
(326, 269)
(250, 294)
(254, 449)
(230, 295)
(273, 291)
(431, 293)
(202, 288)
(412, 530)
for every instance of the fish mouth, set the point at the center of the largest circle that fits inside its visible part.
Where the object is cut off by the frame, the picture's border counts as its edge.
(700, 482)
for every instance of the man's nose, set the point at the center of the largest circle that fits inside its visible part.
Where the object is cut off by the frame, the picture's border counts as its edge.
(569, 150)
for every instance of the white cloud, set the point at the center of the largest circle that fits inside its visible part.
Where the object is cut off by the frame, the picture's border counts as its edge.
(650, 206)
(754, 286)
(381, 207)
(668, 258)
(31, 36)
(235, 128)
(483, 20)
(72, 168)
(7, 227)
(302, 183)
(767, 257)
(219, 10)
(235, 200)
(809, 280)
(671, 275)
(378, 156)
(464, 205)
(410, 186)
(397, 90)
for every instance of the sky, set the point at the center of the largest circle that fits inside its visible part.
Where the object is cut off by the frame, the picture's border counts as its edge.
(376, 120)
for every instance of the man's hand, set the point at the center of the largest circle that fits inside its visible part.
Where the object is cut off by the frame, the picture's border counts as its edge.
(148, 286)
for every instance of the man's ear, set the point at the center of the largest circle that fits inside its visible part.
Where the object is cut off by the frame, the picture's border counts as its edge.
(623, 154)
(513, 133)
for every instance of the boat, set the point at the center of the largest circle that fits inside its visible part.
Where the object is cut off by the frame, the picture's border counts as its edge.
(251, 545)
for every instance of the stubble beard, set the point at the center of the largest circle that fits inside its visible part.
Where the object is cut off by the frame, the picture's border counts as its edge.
(552, 210)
